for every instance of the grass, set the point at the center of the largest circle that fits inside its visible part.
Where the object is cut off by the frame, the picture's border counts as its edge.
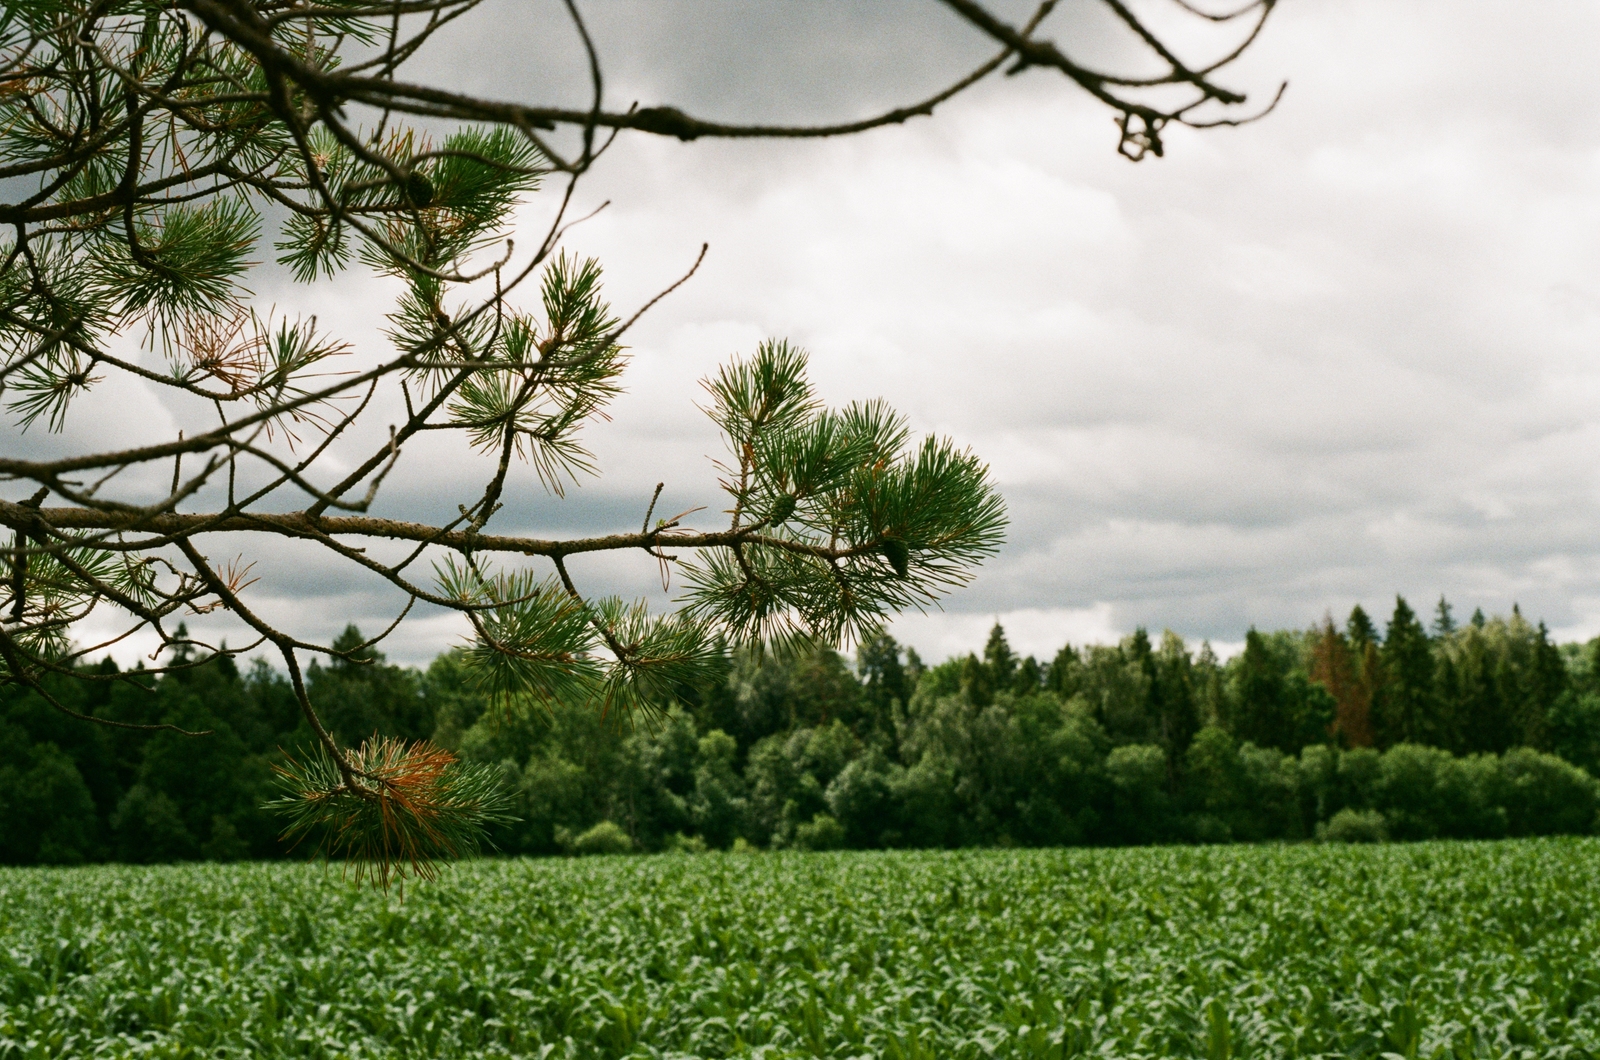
(1427, 950)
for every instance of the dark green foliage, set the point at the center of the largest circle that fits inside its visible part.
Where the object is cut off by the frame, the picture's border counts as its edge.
(1173, 692)
(603, 838)
(862, 799)
(1444, 622)
(999, 660)
(718, 808)
(1573, 728)
(1356, 826)
(1360, 628)
(1142, 810)
(1274, 703)
(800, 749)
(885, 686)
(149, 827)
(46, 814)
(1404, 710)
(1544, 795)
(822, 832)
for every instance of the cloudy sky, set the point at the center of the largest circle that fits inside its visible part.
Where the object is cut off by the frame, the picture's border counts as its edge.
(1349, 351)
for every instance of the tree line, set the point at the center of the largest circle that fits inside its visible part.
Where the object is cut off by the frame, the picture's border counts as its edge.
(1479, 729)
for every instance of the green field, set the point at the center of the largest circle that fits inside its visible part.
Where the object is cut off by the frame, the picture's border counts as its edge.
(1446, 949)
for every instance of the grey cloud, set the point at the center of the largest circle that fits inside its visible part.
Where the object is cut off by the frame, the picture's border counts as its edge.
(1342, 353)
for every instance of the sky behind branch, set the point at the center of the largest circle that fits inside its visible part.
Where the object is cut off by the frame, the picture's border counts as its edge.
(1348, 351)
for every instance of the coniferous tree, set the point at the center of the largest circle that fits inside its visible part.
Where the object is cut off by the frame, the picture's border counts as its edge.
(885, 685)
(1258, 699)
(1450, 720)
(1404, 711)
(1483, 718)
(1177, 704)
(914, 671)
(1444, 622)
(1115, 684)
(1360, 629)
(1548, 683)
(1336, 667)
(977, 681)
(1063, 676)
(1210, 698)
(999, 660)
(1029, 678)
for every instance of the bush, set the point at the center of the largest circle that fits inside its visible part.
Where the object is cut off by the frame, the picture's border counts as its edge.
(678, 843)
(603, 838)
(1272, 793)
(1142, 810)
(1573, 725)
(1472, 792)
(149, 828)
(1213, 778)
(1544, 795)
(1411, 791)
(1208, 828)
(1356, 780)
(861, 799)
(823, 832)
(717, 806)
(1355, 826)
(46, 813)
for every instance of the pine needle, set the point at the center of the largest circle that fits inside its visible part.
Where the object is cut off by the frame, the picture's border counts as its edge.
(411, 805)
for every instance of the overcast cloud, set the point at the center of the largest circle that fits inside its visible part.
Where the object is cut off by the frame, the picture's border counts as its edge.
(1348, 351)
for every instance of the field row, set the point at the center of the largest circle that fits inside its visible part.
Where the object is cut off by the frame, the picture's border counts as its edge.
(1428, 950)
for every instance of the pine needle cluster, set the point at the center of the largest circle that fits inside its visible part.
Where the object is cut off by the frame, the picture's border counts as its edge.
(395, 812)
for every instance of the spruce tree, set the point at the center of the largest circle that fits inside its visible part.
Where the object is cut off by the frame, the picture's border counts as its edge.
(999, 660)
(1338, 668)
(1062, 678)
(1259, 703)
(1404, 711)
(1444, 623)
(1360, 628)
(1177, 705)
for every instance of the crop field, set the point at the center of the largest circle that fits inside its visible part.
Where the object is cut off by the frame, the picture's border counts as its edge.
(1430, 950)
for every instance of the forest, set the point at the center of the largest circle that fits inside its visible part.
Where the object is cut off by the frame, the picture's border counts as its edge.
(1480, 729)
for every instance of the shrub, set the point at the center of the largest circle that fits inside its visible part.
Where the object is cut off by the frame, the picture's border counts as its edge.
(823, 832)
(1411, 792)
(1213, 780)
(678, 843)
(1208, 828)
(717, 806)
(1544, 795)
(1471, 792)
(603, 838)
(1272, 793)
(1355, 826)
(1356, 780)
(862, 800)
(148, 828)
(46, 812)
(1142, 809)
